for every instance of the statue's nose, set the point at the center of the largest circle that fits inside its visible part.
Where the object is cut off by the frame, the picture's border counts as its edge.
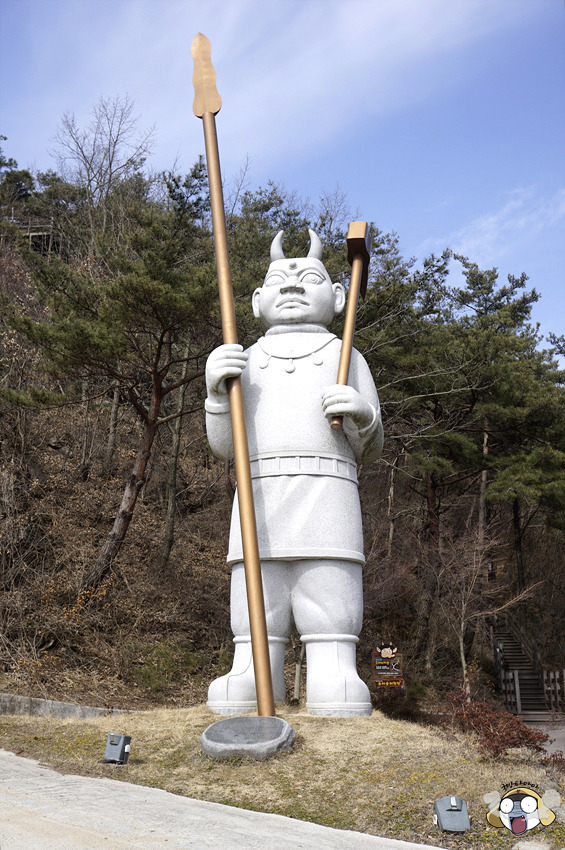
(292, 283)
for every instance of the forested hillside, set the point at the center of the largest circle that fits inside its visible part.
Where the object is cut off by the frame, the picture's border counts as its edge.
(114, 515)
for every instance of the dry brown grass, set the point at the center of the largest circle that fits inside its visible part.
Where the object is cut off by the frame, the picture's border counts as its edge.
(371, 774)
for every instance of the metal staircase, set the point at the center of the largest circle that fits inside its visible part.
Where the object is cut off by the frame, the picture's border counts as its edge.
(521, 677)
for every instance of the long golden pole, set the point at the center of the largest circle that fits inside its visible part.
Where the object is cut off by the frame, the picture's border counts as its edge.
(358, 254)
(207, 103)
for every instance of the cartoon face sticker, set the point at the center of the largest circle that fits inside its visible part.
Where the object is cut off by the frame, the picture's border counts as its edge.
(520, 810)
(387, 650)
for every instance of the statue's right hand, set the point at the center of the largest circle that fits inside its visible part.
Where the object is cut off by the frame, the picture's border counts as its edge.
(226, 361)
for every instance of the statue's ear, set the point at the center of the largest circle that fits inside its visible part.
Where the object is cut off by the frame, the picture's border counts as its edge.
(339, 298)
(255, 302)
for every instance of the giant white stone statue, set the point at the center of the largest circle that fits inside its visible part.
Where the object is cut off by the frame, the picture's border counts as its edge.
(304, 483)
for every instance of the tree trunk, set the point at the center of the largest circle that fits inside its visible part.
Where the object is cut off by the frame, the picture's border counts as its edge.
(169, 535)
(432, 493)
(113, 427)
(123, 518)
(518, 550)
(464, 670)
(483, 489)
(423, 646)
(390, 510)
(470, 628)
(84, 468)
(517, 527)
(469, 635)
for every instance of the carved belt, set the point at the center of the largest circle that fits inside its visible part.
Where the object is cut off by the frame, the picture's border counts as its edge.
(282, 463)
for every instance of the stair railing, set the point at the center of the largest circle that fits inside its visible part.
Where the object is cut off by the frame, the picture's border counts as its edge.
(554, 689)
(552, 681)
(511, 691)
(507, 680)
(533, 652)
(498, 653)
(529, 646)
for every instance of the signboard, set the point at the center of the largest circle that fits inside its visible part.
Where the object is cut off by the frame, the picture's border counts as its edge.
(387, 668)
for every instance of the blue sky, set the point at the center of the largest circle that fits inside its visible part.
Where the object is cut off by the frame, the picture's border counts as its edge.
(441, 120)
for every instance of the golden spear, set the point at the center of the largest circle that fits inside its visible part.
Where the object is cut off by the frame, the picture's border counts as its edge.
(207, 102)
(358, 255)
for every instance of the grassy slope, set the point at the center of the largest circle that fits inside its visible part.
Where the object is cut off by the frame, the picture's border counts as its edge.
(375, 775)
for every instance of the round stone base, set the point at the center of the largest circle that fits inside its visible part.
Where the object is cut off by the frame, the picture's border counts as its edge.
(257, 737)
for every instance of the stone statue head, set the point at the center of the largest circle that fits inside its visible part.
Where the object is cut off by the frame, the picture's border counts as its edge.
(298, 290)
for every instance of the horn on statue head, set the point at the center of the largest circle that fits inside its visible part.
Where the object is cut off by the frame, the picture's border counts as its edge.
(277, 252)
(315, 246)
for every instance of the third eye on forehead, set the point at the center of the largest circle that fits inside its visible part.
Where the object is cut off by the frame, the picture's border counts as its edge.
(304, 275)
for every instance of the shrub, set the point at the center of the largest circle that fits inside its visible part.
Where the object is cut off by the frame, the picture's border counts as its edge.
(497, 729)
(555, 760)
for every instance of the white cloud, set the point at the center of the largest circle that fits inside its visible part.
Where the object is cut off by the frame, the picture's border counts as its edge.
(293, 74)
(523, 234)
(317, 69)
(493, 236)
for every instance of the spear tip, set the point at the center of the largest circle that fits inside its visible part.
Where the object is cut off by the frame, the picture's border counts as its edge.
(206, 97)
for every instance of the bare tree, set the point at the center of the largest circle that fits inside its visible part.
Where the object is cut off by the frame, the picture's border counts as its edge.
(103, 160)
(465, 595)
(108, 151)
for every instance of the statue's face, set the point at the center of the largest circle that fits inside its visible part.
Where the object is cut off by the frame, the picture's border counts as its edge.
(298, 291)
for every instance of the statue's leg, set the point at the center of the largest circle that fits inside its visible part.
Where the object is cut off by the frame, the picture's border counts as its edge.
(235, 692)
(327, 603)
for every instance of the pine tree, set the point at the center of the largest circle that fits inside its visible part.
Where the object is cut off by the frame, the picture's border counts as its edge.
(142, 322)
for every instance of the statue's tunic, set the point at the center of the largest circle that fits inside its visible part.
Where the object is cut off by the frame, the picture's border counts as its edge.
(304, 473)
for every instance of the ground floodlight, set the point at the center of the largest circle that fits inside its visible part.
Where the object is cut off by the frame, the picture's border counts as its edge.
(451, 815)
(117, 748)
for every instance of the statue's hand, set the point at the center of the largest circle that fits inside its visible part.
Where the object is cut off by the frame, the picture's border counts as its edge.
(343, 400)
(226, 361)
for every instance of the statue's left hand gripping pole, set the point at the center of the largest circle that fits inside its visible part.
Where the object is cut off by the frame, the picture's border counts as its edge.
(207, 102)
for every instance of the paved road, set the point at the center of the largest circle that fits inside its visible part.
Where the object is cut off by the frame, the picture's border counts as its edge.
(44, 810)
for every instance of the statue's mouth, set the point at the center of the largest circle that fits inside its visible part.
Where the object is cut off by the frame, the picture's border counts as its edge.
(294, 299)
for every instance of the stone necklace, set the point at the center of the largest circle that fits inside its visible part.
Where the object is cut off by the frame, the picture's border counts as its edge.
(290, 346)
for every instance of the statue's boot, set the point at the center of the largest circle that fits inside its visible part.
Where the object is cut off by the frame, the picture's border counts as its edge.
(235, 692)
(333, 687)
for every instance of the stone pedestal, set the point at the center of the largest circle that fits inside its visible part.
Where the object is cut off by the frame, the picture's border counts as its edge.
(256, 737)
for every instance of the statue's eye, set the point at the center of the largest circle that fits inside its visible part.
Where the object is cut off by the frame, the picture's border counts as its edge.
(311, 277)
(506, 805)
(274, 279)
(529, 805)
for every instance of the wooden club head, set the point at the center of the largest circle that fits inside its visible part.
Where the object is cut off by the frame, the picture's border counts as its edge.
(206, 97)
(359, 244)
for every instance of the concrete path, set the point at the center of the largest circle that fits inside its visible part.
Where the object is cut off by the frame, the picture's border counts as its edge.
(44, 810)
(556, 732)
